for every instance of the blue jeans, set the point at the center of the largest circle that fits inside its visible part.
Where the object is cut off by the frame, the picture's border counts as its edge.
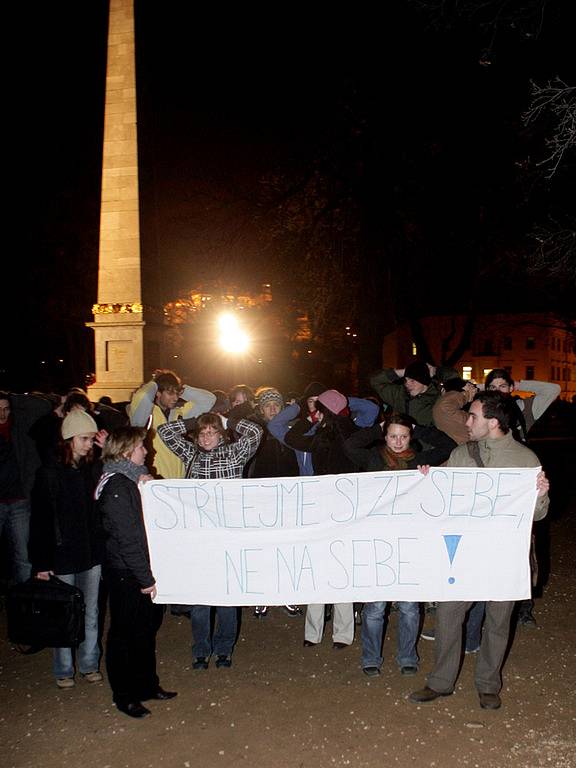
(373, 620)
(88, 653)
(222, 644)
(15, 521)
(474, 622)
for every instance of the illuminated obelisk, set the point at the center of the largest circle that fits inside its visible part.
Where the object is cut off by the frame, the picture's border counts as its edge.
(118, 316)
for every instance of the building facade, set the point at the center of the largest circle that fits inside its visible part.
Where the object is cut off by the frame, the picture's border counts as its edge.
(530, 346)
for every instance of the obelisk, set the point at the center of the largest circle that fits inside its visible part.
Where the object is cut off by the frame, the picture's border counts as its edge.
(118, 316)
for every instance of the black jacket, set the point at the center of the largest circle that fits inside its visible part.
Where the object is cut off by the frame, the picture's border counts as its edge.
(272, 459)
(326, 444)
(125, 543)
(363, 448)
(65, 532)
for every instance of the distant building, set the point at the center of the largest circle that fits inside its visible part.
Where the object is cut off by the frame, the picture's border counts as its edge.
(529, 346)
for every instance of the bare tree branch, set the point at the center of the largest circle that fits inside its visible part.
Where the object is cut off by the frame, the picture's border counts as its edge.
(557, 100)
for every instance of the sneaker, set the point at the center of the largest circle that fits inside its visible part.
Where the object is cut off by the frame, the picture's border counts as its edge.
(93, 677)
(224, 661)
(472, 650)
(293, 610)
(260, 611)
(428, 634)
(201, 662)
(65, 682)
(409, 671)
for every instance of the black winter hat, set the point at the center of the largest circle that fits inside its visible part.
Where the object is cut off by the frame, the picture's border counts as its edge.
(418, 372)
(313, 390)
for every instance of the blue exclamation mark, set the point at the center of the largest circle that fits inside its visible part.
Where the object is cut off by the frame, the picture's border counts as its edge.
(452, 545)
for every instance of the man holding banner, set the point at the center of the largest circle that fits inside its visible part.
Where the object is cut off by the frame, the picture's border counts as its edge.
(491, 445)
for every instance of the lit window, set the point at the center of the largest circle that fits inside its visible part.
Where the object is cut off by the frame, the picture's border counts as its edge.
(466, 372)
(414, 349)
(486, 371)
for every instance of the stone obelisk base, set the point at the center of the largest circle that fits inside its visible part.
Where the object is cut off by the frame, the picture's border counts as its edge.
(119, 357)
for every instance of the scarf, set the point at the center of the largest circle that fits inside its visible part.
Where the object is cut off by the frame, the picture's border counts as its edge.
(122, 467)
(395, 460)
(125, 467)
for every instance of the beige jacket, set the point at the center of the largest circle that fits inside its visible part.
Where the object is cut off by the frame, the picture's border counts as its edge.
(449, 417)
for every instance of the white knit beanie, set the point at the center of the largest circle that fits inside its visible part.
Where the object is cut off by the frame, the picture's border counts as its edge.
(78, 422)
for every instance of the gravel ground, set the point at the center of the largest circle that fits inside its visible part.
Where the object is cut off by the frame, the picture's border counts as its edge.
(282, 705)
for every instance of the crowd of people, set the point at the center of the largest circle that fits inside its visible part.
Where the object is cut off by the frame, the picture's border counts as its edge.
(70, 505)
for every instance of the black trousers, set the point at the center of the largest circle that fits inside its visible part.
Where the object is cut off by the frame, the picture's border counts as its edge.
(131, 645)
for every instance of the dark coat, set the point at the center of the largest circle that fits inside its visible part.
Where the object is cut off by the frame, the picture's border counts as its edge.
(363, 448)
(273, 458)
(326, 445)
(26, 410)
(65, 532)
(125, 543)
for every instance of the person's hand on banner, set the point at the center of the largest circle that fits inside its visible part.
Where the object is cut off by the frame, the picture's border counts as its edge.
(542, 483)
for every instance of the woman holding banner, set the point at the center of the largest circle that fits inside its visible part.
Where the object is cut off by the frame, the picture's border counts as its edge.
(212, 455)
(134, 618)
(392, 446)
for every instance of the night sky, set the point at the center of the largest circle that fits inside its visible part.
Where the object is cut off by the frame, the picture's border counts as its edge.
(394, 105)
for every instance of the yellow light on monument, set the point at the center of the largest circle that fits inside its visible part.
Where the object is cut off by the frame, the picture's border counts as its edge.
(232, 338)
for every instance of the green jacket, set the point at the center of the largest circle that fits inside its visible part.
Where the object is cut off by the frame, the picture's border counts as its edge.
(390, 389)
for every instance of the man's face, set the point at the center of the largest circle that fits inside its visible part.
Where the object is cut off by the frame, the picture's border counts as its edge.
(414, 387)
(168, 398)
(208, 438)
(478, 426)
(270, 409)
(500, 385)
(4, 411)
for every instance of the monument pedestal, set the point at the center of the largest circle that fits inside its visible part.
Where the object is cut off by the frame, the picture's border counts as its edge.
(119, 356)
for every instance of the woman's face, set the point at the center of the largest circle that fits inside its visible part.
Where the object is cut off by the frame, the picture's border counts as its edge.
(239, 399)
(208, 438)
(82, 445)
(311, 403)
(397, 437)
(138, 454)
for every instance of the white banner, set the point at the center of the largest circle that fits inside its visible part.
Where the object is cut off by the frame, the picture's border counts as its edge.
(457, 534)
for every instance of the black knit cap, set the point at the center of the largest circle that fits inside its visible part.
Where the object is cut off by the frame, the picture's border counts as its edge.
(418, 372)
(314, 389)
